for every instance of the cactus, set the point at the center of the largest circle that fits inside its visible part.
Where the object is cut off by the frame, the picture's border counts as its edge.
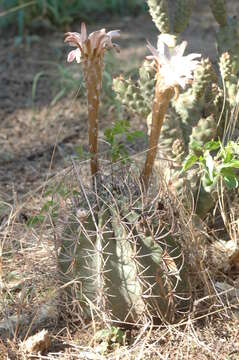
(183, 10)
(219, 11)
(227, 47)
(129, 94)
(137, 97)
(193, 118)
(158, 9)
(229, 76)
(201, 112)
(190, 104)
(123, 262)
(204, 131)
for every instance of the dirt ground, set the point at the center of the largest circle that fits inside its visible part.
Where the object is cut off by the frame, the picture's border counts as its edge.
(38, 139)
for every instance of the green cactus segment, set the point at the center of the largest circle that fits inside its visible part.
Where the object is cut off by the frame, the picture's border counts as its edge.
(124, 292)
(219, 11)
(191, 103)
(158, 9)
(183, 10)
(147, 83)
(178, 149)
(137, 97)
(228, 41)
(204, 131)
(129, 95)
(81, 268)
(204, 75)
(229, 74)
(171, 132)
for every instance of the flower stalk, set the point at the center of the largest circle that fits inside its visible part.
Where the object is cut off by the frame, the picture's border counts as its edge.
(90, 52)
(160, 105)
(93, 79)
(172, 70)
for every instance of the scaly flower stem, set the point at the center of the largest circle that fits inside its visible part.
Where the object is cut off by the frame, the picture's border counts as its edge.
(93, 77)
(160, 105)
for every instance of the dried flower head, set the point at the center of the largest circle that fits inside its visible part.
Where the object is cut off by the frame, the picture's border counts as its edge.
(174, 68)
(89, 47)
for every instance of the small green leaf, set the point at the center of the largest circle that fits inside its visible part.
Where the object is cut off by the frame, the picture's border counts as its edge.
(190, 160)
(196, 146)
(231, 164)
(208, 184)
(212, 145)
(231, 182)
(35, 220)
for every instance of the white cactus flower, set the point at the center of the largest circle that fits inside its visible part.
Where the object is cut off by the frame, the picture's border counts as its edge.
(174, 68)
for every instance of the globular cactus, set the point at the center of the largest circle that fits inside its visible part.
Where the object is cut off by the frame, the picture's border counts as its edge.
(124, 261)
(158, 9)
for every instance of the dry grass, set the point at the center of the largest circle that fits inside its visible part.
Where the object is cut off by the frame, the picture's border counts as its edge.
(32, 298)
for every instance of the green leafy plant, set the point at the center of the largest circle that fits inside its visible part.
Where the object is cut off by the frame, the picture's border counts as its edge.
(216, 162)
(117, 136)
(109, 339)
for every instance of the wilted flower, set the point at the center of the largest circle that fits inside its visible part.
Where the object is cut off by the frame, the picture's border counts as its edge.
(90, 46)
(90, 51)
(174, 68)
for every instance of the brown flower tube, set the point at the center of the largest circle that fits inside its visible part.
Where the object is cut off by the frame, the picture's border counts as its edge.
(93, 78)
(90, 52)
(172, 70)
(161, 102)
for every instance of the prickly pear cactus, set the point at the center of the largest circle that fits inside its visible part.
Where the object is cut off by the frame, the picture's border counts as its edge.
(123, 263)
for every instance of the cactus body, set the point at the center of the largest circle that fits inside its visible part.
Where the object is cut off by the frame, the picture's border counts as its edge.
(219, 11)
(229, 74)
(204, 131)
(158, 9)
(120, 267)
(183, 10)
(228, 41)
